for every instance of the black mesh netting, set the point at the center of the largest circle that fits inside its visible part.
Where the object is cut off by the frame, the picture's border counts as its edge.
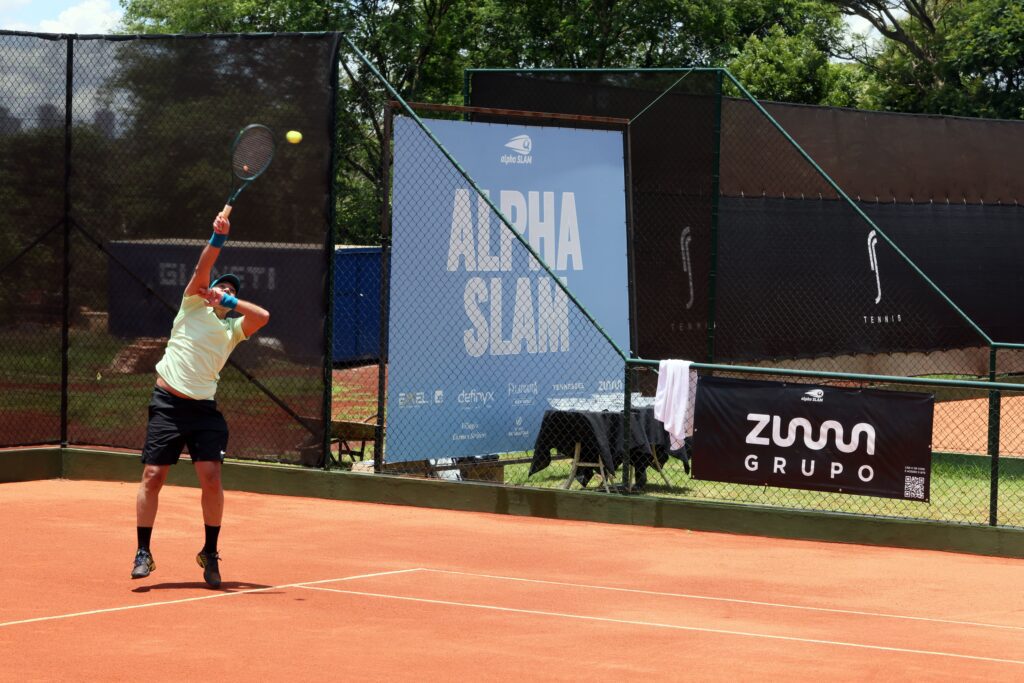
(743, 252)
(148, 151)
(31, 239)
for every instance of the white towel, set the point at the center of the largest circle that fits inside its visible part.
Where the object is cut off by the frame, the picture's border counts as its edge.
(673, 402)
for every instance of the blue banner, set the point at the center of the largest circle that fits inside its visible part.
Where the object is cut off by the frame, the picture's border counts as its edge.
(481, 339)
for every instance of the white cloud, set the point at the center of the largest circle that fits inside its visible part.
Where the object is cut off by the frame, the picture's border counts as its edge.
(89, 16)
(856, 24)
(9, 11)
(7, 5)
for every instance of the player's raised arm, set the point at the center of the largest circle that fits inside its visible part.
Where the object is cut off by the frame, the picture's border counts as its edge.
(222, 297)
(201, 276)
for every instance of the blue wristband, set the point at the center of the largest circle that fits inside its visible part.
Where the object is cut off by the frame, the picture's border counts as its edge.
(218, 240)
(228, 301)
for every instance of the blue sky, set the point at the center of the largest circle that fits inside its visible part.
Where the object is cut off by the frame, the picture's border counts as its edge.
(59, 16)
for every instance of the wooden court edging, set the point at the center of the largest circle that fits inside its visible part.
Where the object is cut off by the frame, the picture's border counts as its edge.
(74, 463)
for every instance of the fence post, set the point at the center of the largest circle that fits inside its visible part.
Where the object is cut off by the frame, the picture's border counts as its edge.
(627, 150)
(327, 407)
(385, 287)
(715, 171)
(993, 441)
(65, 340)
(627, 409)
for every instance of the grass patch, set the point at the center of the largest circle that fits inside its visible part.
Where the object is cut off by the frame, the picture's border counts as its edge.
(960, 490)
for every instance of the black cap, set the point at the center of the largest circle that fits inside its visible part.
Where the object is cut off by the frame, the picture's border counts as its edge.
(229, 278)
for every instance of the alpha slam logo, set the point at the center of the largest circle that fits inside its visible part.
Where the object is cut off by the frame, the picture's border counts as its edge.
(522, 145)
(814, 396)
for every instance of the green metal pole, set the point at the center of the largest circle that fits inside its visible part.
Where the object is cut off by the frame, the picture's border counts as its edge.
(384, 302)
(627, 409)
(876, 379)
(993, 442)
(326, 408)
(65, 327)
(715, 176)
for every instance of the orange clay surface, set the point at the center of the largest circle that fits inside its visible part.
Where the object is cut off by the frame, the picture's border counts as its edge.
(328, 590)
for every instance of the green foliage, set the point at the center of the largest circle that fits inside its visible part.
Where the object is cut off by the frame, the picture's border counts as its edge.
(589, 34)
(423, 46)
(418, 48)
(963, 57)
(984, 46)
(959, 58)
(228, 16)
(786, 55)
(847, 85)
(783, 68)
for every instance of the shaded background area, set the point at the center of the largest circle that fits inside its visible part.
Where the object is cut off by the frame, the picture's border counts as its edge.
(32, 170)
(141, 169)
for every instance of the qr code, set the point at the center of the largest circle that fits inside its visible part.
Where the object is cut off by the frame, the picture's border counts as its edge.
(913, 487)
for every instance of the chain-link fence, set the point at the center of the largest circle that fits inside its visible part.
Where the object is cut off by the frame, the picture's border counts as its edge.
(116, 159)
(970, 423)
(478, 329)
(743, 251)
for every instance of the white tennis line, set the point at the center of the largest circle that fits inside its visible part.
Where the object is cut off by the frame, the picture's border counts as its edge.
(677, 627)
(688, 596)
(204, 597)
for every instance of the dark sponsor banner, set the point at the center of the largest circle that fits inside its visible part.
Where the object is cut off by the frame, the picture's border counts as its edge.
(270, 274)
(802, 436)
(804, 278)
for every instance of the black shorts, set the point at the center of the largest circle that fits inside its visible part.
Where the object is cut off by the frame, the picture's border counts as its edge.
(176, 422)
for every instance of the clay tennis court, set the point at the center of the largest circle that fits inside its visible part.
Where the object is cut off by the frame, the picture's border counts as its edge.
(962, 426)
(354, 591)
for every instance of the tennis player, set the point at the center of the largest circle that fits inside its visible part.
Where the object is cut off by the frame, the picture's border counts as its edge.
(183, 412)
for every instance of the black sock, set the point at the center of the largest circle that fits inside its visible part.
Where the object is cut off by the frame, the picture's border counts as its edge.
(144, 534)
(212, 532)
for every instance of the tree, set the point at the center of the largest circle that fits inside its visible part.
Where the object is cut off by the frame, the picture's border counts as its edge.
(229, 16)
(421, 47)
(962, 57)
(911, 24)
(417, 45)
(790, 60)
(984, 44)
(599, 33)
(783, 68)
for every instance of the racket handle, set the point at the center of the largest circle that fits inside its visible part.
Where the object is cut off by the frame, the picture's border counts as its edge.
(226, 211)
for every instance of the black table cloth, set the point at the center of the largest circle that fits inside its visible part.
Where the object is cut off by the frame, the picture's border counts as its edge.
(599, 434)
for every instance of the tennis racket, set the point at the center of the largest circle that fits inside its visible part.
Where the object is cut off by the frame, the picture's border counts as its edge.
(251, 154)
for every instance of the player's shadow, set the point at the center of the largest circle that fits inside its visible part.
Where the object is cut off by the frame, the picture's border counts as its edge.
(225, 587)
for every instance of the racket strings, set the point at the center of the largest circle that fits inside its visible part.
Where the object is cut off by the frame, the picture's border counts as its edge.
(253, 153)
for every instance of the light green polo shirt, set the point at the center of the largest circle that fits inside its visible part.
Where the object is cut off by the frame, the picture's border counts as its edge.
(199, 347)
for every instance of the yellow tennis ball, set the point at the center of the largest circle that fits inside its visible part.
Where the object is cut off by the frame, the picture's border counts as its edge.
(294, 137)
